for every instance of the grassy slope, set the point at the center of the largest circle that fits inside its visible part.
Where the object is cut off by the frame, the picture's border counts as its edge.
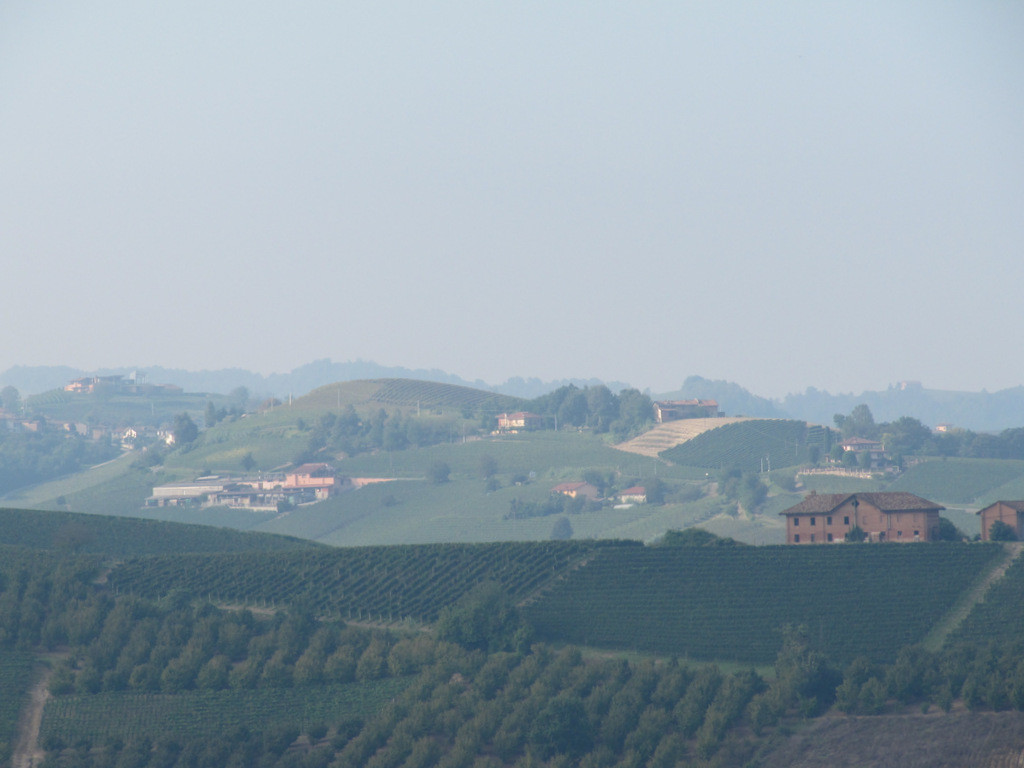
(416, 511)
(123, 409)
(959, 481)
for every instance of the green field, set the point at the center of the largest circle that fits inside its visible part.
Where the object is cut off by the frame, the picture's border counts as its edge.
(132, 715)
(961, 481)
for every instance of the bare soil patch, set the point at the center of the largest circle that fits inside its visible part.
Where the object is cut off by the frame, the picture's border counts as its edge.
(26, 751)
(939, 740)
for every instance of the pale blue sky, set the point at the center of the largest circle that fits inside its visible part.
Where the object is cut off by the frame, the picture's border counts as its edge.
(783, 195)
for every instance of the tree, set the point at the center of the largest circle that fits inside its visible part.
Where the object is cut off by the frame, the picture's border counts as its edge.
(185, 430)
(240, 397)
(1000, 531)
(10, 398)
(213, 414)
(248, 462)
(562, 727)
(654, 490)
(860, 423)
(438, 472)
(948, 532)
(485, 619)
(561, 530)
(695, 537)
(488, 466)
(856, 534)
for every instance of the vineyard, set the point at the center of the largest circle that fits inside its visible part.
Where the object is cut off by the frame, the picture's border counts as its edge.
(1000, 616)
(15, 678)
(134, 715)
(429, 394)
(69, 531)
(732, 603)
(703, 603)
(753, 445)
(672, 433)
(369, 583)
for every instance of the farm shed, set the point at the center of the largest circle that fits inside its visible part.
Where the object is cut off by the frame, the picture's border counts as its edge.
(1009, 512)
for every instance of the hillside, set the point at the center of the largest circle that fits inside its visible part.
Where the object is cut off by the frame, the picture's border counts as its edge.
(68, 532)
(407, 393)
(400, 429)
(665, 436)
(753, 445)
(705, 603)
(144, 670)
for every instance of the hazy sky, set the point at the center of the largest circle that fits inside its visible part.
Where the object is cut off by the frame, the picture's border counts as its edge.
(779, 194)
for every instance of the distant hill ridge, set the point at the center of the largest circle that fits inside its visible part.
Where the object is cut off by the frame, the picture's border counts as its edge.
(978, 411)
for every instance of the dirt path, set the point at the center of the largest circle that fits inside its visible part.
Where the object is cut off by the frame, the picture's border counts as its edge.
(948, 623)
(26, 741)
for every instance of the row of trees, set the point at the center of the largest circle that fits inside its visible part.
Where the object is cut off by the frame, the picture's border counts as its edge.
(352, 434)
(479, 692)
(908, 436)
(27, 458)
(624, 414)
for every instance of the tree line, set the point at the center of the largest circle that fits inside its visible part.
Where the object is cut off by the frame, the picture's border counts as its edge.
(908, 436)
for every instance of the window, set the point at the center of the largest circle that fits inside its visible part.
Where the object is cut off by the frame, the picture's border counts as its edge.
(829, 536)
(899, 534)
(796, 521)
(796, 538)
(846, 521)
(814, 521)
(917, 534)
(828, 521)
(812, 538)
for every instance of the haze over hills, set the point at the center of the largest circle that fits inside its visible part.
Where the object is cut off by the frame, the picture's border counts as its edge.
(978, 411)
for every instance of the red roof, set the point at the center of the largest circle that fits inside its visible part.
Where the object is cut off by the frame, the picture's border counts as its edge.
(636, 490)
(822, 503)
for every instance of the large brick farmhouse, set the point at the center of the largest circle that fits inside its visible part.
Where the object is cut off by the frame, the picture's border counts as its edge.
(828, 517)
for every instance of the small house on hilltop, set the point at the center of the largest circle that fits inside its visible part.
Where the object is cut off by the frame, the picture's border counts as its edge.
(673, 410)
(828, 517)
(861, 446)
(576, 490)
(1010, 513)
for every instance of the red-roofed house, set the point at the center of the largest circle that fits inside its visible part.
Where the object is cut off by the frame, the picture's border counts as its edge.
(828, 517)
(1009, 512)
